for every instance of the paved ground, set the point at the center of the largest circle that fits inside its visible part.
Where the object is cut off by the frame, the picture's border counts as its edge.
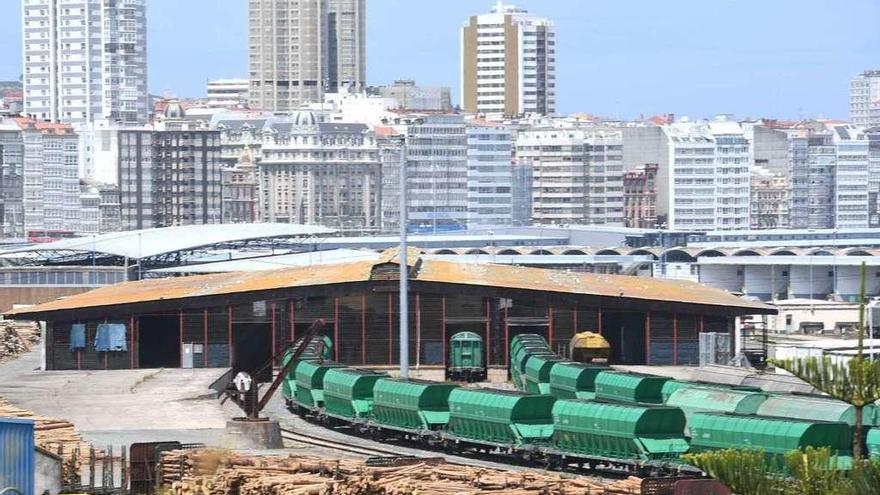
(119, 406)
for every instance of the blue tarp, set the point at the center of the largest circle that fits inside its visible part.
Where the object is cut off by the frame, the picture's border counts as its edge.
(77, 336)
(110, 337)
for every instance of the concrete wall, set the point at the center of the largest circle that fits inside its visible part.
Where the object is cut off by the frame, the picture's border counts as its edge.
(47, 473)
(807, 281)
(722, 276)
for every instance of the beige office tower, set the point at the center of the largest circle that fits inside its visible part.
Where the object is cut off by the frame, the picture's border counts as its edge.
(300, 49)
(508, 63)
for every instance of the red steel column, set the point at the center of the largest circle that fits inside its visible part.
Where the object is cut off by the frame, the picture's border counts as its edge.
(390, 329)
(418, 326)
(550, 326)
(599, 310)
(443, 328)
(702, 324)
(648, 337)
(106, 353)
(506, 340)
(336, 329)
(675, 338)
(290, 321)
(229, 331)
(274, 332)
(205, 332)
(364, 329)
(180, 325)
(488, 334)
(131, 341)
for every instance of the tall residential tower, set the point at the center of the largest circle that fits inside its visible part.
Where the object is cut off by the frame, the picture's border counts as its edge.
(300, 49)
(508, 63)
(85, 60)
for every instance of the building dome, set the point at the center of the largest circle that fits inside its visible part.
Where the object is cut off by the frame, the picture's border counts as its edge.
(174, 110)
(304, 117)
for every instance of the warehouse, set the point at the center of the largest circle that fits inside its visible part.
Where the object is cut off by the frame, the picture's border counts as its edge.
(242, 319)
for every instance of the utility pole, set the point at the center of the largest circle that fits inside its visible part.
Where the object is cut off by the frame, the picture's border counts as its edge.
(404, 273)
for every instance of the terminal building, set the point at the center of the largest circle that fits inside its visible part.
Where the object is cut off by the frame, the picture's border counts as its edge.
(242, 319)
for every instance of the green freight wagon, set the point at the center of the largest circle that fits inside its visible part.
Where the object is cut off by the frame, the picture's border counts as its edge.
(500, 416)
(288, 386)
(619, 430)
(696, 399)
(311, 352)
(872, 444)
(466, 358)
(524, 345)
(537, 374)
(411, 404)
(635, 388)
(816, 408)
(775, 436)
(570, 380)
(673, 385)
(348, 392)
(309, 390)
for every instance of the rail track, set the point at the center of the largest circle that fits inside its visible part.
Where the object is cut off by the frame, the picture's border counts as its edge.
(317, 441)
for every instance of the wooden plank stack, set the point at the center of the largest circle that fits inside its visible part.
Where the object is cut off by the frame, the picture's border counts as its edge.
(220, 473)
(17, 337)
(55, 435)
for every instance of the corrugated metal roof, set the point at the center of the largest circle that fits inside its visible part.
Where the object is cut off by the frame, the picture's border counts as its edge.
(428, 270)
(137, 244)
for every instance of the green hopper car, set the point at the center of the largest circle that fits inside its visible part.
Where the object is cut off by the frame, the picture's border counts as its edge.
(348, 392)
(309, 390)
(537, 374)
(411, 404)
(775, 436)
(634, 388)
(696, 399)
(500, 416)
(569, 380)
(619, 430)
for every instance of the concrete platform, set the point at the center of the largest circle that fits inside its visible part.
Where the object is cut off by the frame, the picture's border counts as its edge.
(120, 406)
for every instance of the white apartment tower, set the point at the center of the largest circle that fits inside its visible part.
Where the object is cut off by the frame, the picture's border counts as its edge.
(489, 175)
(508, 63)
(300, 49)
(864, 99)
(85, 60)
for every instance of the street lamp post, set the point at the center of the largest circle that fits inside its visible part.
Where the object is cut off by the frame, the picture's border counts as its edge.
(404, 274)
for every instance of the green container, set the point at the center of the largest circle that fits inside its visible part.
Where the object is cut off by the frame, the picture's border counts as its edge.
(466, 357)
(872, 444)
(815, 408)
(537, 375)
(776, 436)
(619, 430)
(348, 392)
(696, 399)
(309, 389)
(570, 380)
(500, 416)
(633, 388)
(411, 404)
(673, 385)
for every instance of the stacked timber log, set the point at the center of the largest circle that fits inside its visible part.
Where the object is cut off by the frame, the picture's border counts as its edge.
(55, 435)
(218, 473)
(17, 337)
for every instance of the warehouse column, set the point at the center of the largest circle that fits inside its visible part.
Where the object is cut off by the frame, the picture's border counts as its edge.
(205, 337)
(648, 337)
(336, 343)
(180, 330)
(363, 329)
(488, 333)
(675, 338)
(229, 331)
(443, 327)
(506, 339)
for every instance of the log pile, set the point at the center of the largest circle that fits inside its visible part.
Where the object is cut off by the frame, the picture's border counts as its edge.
(17, 337)
(55, 435)
(219, 473)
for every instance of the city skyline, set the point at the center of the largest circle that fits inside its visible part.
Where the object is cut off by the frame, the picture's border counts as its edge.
(794, 60)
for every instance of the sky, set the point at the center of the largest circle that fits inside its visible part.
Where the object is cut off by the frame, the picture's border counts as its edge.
(626, 58)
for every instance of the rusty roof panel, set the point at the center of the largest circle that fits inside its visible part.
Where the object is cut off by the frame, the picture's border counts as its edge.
(437, 271)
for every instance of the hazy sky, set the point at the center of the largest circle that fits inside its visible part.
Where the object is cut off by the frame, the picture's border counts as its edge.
(783, 58)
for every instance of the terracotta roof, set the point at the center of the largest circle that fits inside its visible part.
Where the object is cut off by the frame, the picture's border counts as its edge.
(45, 127)
(425, 270)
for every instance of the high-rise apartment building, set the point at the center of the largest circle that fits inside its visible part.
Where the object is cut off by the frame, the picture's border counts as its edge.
(85, 60)
(864, 98)
(169, 177)
(577, 175)
(508, 63)
(851, 178)
(490, 175)
(436, 173)
(640, 197)
(300, 49)
(227, 93)
(320, 173)
(11, 183)
(702, 176)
